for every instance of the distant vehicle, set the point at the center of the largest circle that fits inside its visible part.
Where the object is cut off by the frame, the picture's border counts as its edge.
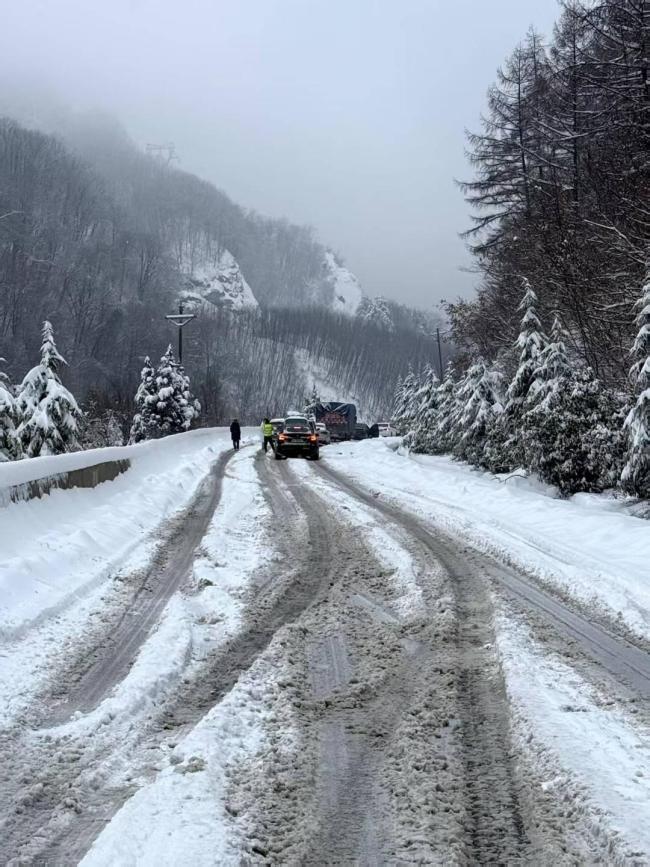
(386, 429)
(361, 431)
(298, 439)
(339, 419)
(324, 437)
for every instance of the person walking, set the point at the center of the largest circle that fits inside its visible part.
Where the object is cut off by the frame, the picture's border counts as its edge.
(267, 433)
(235, 434)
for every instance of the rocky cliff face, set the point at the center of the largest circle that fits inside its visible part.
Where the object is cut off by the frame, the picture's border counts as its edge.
(220, 283)
(346, 289)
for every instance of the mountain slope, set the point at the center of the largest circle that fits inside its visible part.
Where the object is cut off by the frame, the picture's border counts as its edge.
(104, 241)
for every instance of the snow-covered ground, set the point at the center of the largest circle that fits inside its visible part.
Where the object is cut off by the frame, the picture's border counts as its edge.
(587, 545)
(62, 558)
(591, 753)
(53, 547)
(61, 554)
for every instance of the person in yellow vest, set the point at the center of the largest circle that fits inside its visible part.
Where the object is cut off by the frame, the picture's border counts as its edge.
(267, 433)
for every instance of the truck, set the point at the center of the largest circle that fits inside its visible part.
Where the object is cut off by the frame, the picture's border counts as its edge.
(340, 419)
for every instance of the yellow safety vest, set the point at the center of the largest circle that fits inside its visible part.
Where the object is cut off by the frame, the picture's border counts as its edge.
(268, 430)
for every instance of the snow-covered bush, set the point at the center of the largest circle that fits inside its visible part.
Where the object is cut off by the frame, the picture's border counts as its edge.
(146, 398)
(636, 473)
(175, 408)
(10, 445)
(99, 427)
(480, 394)
(49, 413)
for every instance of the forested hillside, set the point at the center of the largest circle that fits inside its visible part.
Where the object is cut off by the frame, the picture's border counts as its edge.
(561, 187)
(556, 373)
(103, 240)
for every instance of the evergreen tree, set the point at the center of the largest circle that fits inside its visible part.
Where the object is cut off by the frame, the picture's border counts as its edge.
(175, 408)
(636, 473)
(10, 445)
(312, 401)
(506, 448)
(422, 437)
(448, 409)
(146, 398)
(481, 396)
(567, 432)
(405, 403)
(48, 410)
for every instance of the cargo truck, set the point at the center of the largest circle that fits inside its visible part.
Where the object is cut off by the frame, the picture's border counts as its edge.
(340, 419)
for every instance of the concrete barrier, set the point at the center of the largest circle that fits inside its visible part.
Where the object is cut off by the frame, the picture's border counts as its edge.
(85, 477)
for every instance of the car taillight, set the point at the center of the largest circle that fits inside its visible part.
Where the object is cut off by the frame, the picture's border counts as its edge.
(314, 438)
(282, 437)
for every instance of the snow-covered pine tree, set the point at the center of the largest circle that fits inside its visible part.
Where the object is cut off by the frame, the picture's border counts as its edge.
(448, 409)
(505, 444)
(175, 408)
(543, 419)
(480, 394)
(144, 427)
(421, 438)
(191, 405)
(567, 435)
(10, 445)
(636, 473)
(312, 401)
(49, 412)
(405, 397)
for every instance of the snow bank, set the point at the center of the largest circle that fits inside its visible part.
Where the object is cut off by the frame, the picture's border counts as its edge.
(53, 548)
(579, 744)
(587, 545)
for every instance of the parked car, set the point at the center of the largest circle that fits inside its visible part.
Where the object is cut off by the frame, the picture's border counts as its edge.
(361, 431)
(386, 429)
(298, 439)
(324, 437)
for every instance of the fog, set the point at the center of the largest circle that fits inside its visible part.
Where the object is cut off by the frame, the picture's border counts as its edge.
(348, 115)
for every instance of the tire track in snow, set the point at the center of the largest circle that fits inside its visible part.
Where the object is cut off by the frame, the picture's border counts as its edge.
(502, 823)
(43, 779)
(167, 572)
(625, 662)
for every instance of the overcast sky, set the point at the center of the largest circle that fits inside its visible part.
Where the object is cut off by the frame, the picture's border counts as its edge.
(344, 114)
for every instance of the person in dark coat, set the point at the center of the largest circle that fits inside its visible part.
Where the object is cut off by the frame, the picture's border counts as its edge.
(235, 434)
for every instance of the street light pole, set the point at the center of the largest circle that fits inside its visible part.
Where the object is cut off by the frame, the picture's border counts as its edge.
(180, 320)
(439, 352)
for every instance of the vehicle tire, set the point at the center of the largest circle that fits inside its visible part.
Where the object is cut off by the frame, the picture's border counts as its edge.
(315, 456)
(278, 457)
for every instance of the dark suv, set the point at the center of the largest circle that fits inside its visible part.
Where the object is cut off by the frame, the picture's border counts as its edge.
(298, 439)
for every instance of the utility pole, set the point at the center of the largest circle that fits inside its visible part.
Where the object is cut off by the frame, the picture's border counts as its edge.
(180, 320)
(439, 352)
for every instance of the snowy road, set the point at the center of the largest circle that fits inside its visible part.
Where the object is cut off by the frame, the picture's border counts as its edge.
(308, 669)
